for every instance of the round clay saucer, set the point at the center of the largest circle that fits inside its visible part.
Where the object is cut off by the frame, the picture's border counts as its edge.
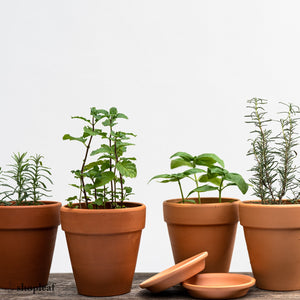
(176, 274)
(218, 285)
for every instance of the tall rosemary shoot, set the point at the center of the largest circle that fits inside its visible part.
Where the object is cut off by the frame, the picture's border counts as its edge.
(25, 182)
(274, 172)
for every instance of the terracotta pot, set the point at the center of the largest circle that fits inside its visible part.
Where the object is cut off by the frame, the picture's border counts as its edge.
(103, 246)
(195, 228)
(27, 235)
(272, 234)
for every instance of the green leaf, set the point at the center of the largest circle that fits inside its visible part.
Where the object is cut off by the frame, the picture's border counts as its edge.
(103, 149)
(122, 116)
(106, 122)
(75, 185)
(214, 180)
(193, 171)
(216, 171)
(203, 188)
(105, 178)
(190, 201)
(113, 111)
(71, 138)
(92, 165)
(126, 168)
(208, 159)
(179, 162)
(82, 118)
(71, 198)
(183, 155)
(161, 176)
(101, 111)
(89, 130)
(238, 180)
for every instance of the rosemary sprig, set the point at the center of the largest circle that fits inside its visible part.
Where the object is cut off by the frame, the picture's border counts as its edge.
(274, 172)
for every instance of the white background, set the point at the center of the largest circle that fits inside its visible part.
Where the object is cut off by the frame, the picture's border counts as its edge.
(181, 70)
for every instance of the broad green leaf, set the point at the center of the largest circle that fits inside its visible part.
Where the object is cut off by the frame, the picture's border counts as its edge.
(216, 171)
(190, 201)
(208, 159)
(89, 130)
(102, 111)
(93, 164)
(113, 111)
(238, 180)
(183, 155)
(214, 180)
(103, 149)
(106, 123)
(119, 115)
(179, 162)
(71, 198)
(105, 178)
(203, 188)
(82, 118)
(161, 176)
(71, 138)
(126, 168)
(193, 171)
(75, 185)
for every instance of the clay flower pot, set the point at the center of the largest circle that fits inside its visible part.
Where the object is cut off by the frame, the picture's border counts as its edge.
(27, 235)
(103, 246)
(195, 228)
(272, 234)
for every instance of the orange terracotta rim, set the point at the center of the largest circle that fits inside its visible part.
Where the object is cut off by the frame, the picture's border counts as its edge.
(213, 213)
(109, 221)
(216, 279)
(31, 216)
(46, 204)
(132, 206)
(175, 271)
(211, 200)
(256, 203)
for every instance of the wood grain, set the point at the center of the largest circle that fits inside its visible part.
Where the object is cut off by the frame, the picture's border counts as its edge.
(65, 288)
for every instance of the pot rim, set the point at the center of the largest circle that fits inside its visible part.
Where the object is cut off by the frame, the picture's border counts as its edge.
(46, 204)
(174, 202)
(138, 206)
(254, 203)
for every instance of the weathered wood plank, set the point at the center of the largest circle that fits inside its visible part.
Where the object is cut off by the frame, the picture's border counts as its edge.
(62, 286)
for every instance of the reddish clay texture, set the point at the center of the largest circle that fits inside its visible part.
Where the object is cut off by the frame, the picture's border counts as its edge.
(175, 274)
(272, 234)
(27, 235)
(219, 285)
(103, 246)
(195, 228)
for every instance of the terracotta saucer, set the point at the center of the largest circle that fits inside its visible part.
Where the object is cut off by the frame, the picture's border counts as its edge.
(218, 285)
(176, 274)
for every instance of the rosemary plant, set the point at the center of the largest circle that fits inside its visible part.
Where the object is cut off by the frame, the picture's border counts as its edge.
(25, 183)
(215, 177)
(274, 172)
(102, 181)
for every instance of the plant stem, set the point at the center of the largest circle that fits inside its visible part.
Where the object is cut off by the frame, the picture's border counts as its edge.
(260, 126)
(197, 185)
(84, 162)
(110, 162)
(181, 190)
(220, 190)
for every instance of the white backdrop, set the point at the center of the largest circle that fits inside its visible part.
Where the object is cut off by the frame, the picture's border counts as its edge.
(181, 70)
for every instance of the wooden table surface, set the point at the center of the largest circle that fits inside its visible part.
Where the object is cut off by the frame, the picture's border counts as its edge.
(62, 286)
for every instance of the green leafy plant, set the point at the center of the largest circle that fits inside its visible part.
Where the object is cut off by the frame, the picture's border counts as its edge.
(213, 177)
(274, 172)
(102, 180)
(25, 183)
